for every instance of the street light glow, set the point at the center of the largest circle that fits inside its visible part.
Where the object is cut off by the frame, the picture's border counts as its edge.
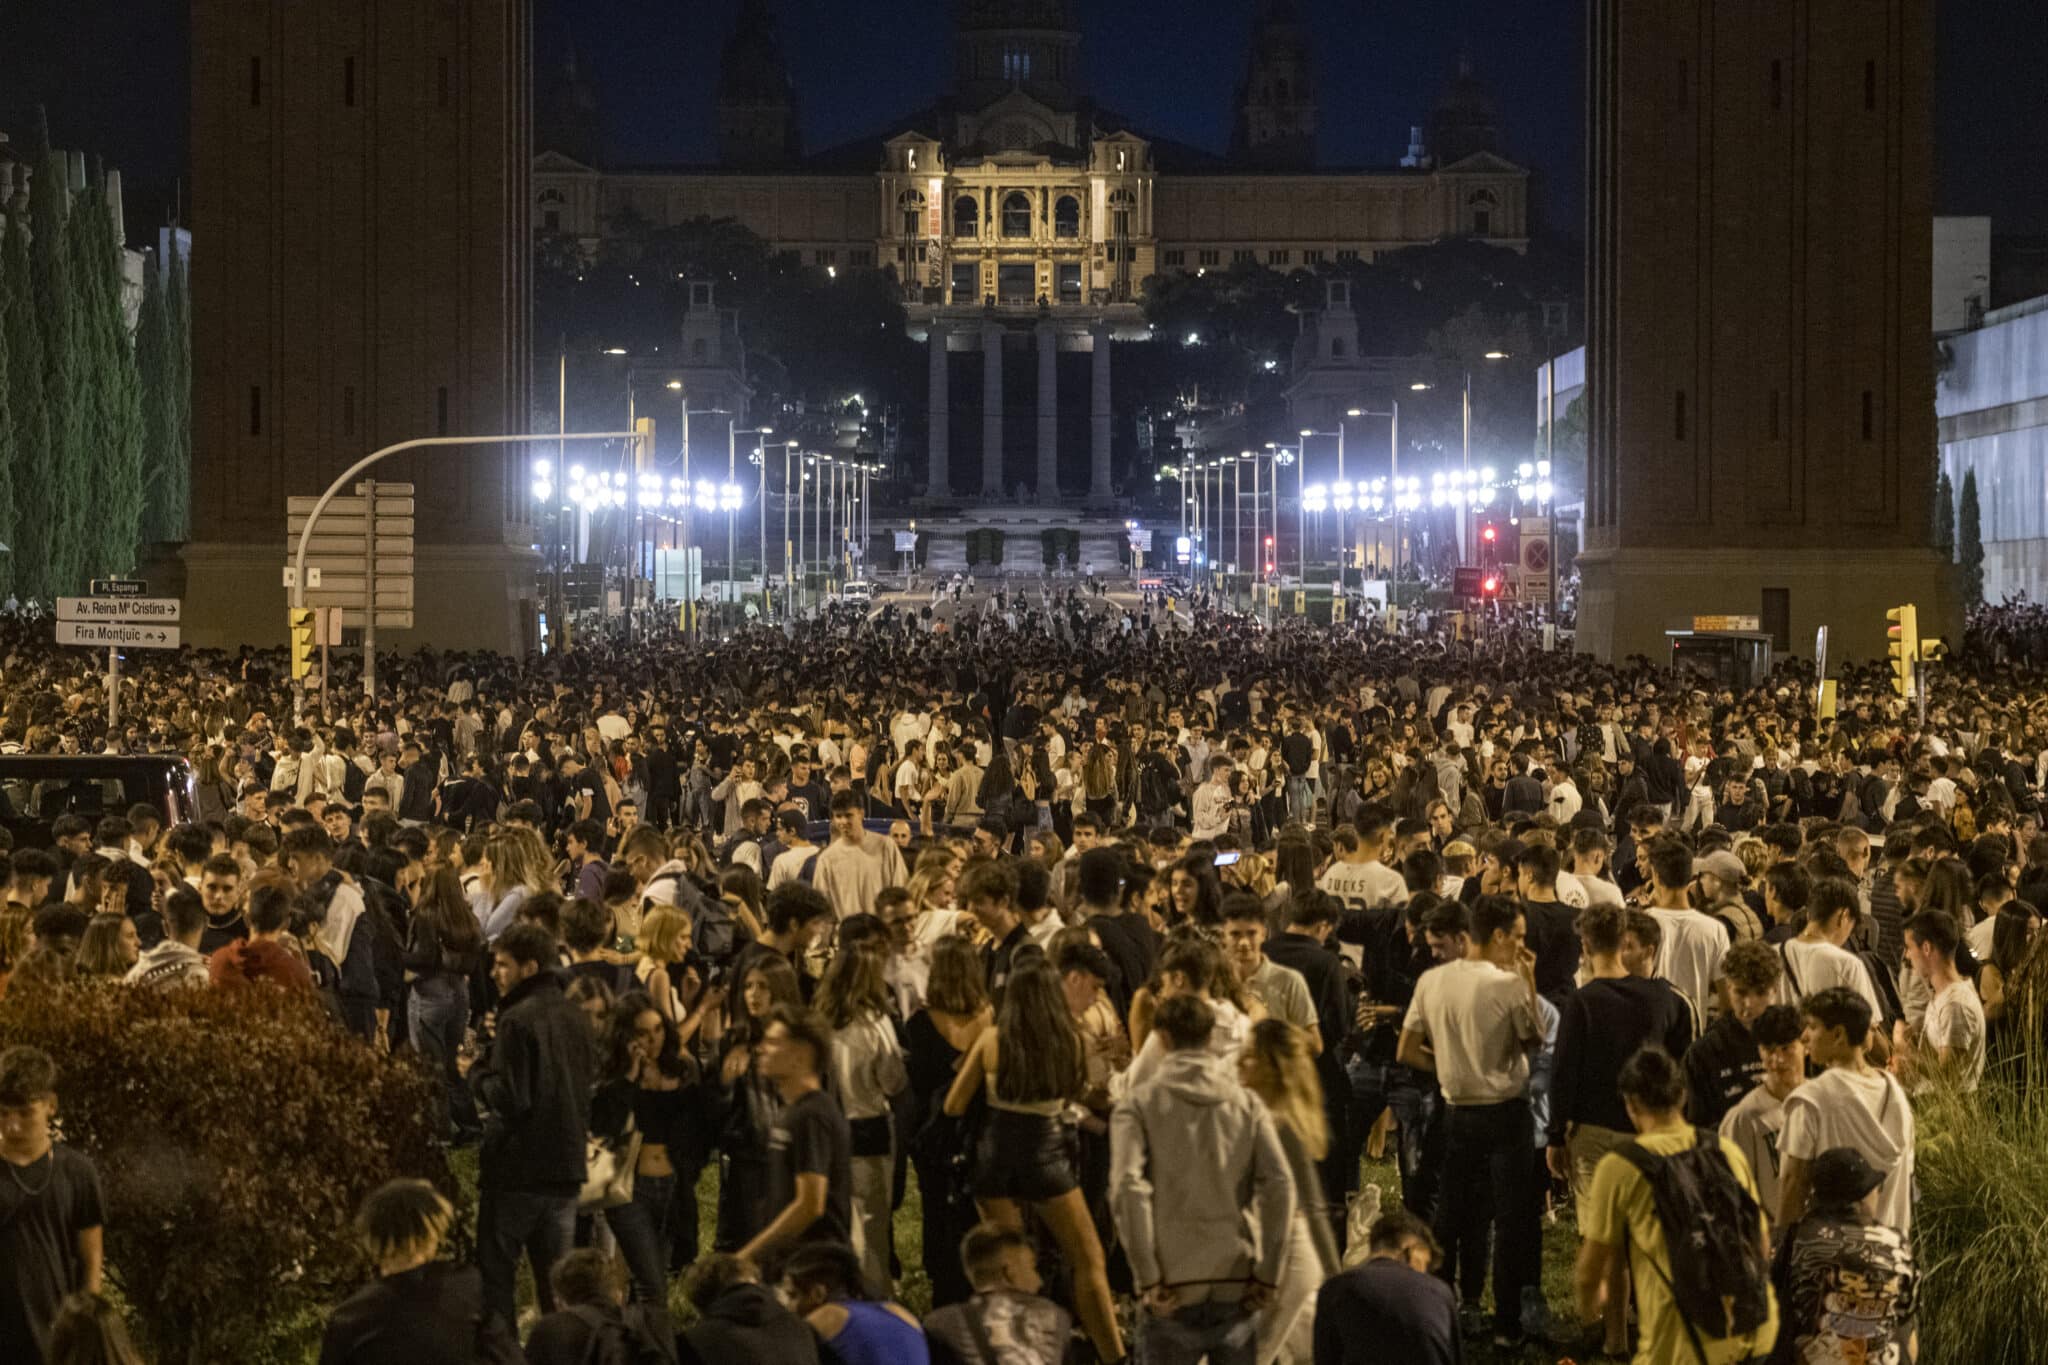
(675, 384)
(614, 350)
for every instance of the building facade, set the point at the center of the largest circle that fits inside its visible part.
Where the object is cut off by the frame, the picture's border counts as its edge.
(1991, 399)
(1759, 194)
(1021, 218)
(359, 174)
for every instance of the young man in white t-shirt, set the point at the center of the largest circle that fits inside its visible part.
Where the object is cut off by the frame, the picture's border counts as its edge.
(1951, 1035)
(1357, 877)
(1694, 942)
(1816, 960)
(1757, 1122)
(1472, 1023)
(1850, 1104)
(1591, 848)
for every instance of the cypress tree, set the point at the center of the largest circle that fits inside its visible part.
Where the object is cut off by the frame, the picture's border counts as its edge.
(177, 490)
(28, 406)
(153, 373)
(1970, 524)
(61, 473)
(109, 482)
(1945, 516)
(7, 435)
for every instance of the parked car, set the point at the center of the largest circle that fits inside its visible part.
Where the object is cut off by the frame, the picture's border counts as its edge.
(859, 590)
(37, 788)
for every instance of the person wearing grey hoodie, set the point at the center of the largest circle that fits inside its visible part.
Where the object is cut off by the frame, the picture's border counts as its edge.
(1202, 1198)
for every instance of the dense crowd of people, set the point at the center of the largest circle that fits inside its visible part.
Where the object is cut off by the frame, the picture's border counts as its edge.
(1123, 945)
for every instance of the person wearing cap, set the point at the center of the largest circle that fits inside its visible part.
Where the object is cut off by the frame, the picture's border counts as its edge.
(1718, 879)
(1847, 1286)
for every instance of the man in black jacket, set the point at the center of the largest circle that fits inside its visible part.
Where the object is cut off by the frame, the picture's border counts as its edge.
(535, 1085)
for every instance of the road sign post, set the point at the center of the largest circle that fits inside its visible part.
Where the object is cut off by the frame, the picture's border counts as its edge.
(296, 572)
(118, 616)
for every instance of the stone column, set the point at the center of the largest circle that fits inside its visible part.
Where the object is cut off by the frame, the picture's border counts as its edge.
(1048, 410)
(991, 410)
(1098, 478)
(937, 478)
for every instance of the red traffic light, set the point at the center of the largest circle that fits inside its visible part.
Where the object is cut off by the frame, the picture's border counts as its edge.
(1269, 542)
(1490, 586)
(1269, 566)
(1488, 532)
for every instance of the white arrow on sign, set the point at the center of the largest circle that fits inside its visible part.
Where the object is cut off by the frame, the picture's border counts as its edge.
(120, 634)
(135, 609)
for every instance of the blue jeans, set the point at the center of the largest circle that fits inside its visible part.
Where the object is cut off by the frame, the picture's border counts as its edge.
(437, 1012)
(644, 1229)
(1221, 1331)
(512, 1222)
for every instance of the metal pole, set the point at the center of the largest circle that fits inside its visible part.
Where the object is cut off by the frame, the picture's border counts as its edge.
(1464, 519)
(113, 689)
(368, 488)
(788, 578)
(632, 556)
(1550, 458)
(1394, 477)
(1301, 508)
(560, 483)
(1258, 545)
(384, 453)
(761, 495)
(1343, 545)
(1237, 506)
(689, 507)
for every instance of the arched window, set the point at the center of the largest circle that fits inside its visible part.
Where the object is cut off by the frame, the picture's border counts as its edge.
(1016, 214)
(1337, 348)
(911, 203)
(1066, 216)
(966, 216)
(1120, 204)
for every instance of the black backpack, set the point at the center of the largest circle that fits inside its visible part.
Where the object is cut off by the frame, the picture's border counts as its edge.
(631, 1336)
(1720, 1277)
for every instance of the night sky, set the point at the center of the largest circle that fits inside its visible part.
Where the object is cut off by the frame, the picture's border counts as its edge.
(113, 75)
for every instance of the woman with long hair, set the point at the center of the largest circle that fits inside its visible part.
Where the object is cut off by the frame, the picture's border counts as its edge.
(647, 1092)
(1098, 781)
(956, 1010)
(1276, 1065)
(665, 973)
(1190, 961)
(867, 1074)
(1197, 897)
(514, 865)
(1034, 1066)
(2012, 939)
(109, 947)
(444, 951)
(751, 1101)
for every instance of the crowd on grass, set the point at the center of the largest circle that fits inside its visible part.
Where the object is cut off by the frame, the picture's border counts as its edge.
(1124, 943)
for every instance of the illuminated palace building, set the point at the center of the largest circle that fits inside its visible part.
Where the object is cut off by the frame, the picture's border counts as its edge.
(1023, 218)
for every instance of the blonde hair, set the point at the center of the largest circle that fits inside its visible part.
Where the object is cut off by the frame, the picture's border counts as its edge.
(518, 858)
(404, 1219)
(663, 929)
(1297, 1104)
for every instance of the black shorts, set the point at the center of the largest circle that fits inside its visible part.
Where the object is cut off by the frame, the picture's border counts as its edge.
(1026, 1157)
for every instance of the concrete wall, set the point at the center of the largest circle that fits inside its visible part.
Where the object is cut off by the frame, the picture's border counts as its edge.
(1962, 271)
(1991, 400)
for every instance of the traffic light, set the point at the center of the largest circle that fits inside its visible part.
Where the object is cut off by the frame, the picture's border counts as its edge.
(1490, 586)
(1489, 533)
(1902, 646)
(301, 621)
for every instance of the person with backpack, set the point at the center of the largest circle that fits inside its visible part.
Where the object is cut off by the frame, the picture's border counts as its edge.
(1847, 1282)
(595, 1325)
(420, 1307)
(1681, 1204)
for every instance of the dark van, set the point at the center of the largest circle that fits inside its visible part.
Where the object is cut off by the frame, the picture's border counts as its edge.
(37, 788)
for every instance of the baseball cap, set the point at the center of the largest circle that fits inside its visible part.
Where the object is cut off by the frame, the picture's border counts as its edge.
(1723, 864)
(1841, 1175)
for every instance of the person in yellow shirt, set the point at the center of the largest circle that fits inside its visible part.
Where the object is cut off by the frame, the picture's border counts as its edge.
(1621, 1218)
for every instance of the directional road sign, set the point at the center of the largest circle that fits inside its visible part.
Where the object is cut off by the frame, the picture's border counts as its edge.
(117, 634)
(135, 610)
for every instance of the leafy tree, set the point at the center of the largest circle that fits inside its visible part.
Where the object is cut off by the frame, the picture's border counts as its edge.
(28, 406)
(235, 1133)
(1970, 519)
(1567, 450)
(1945, 516)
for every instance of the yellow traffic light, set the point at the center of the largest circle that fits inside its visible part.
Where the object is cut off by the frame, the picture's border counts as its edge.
(301, 621)
(1902, 646)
